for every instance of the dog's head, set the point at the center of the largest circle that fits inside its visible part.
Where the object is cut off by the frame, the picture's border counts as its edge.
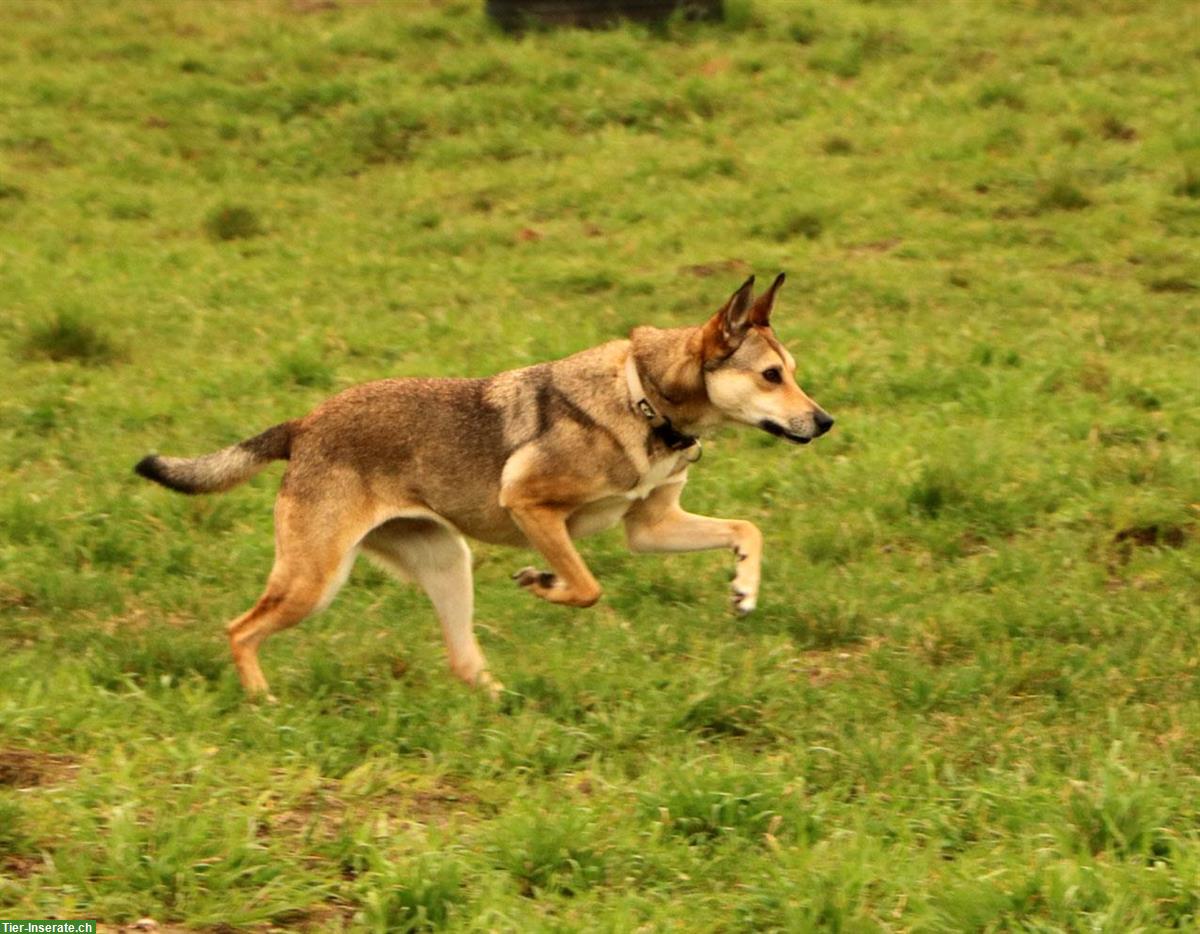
(750, 377)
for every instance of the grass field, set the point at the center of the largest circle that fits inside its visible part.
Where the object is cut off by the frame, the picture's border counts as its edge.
(969, 700)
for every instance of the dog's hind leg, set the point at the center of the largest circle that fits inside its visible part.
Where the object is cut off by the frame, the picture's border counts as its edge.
(658, 523)
(437, 558)
(314, 552)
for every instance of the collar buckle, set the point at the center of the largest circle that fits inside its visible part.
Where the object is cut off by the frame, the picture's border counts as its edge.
(660, 425)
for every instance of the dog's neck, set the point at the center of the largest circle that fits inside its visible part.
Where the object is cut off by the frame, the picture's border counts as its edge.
(670, 365)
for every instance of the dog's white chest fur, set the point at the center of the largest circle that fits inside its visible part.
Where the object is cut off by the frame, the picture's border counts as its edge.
(654, 477)
(607, 512)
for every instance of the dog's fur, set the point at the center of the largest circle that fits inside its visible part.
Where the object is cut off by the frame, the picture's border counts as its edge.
(405, 468)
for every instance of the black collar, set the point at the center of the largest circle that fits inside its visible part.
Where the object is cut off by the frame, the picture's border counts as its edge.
(672, 437)
(660, 425)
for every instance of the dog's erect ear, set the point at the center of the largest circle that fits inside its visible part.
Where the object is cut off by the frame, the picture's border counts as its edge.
(735, 314)
(726, 330)
(760, 313)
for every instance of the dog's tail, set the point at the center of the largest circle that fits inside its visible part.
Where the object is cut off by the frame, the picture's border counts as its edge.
(221, 470)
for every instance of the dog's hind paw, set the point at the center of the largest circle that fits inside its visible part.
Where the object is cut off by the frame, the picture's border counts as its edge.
(532, 577)
(489, 685)
(743, 603)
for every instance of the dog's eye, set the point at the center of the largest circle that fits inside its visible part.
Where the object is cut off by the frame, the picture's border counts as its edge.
(773, 375)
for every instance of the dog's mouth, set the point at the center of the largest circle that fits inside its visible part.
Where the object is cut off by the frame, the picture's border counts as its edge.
(780, 432)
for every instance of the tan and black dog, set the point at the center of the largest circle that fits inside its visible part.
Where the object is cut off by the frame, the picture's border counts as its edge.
(404, 469)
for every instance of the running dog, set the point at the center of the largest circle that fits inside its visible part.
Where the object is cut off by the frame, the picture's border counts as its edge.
(406, 469)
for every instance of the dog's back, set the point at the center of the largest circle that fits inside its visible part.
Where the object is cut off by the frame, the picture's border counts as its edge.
(443, 443)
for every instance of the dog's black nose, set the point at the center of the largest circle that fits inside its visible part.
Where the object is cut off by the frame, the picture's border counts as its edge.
(823, 420)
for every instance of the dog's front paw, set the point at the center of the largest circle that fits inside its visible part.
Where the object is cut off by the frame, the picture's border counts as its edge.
(532, 578)
(743, 602)
(552, 589)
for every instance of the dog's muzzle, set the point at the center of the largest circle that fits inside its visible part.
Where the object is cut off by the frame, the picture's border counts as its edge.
(780, 432)
(822, 422)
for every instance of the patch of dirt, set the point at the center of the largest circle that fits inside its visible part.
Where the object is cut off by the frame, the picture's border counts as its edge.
(302, 7)
(1172, 536)
(704, 270)
(1114, 128)
(399, 668)
(140, 619)
(27, 768)
(826, 666)
(320, 813)
(19, 867)
(146, 926)
(1153, 535)
(12, 598)
(323, 813)
(333, 915)
(439, 804)
(875, 246)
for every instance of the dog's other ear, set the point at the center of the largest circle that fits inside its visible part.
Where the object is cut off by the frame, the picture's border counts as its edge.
(760, 313)
(726, 330)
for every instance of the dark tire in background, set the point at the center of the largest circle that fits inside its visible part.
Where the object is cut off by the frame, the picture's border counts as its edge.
(519, 14)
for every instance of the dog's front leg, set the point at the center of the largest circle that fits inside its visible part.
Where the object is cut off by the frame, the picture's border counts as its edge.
(571, 582)
(659, 523)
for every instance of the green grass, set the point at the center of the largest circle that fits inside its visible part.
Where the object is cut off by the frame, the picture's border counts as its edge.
(968, 700)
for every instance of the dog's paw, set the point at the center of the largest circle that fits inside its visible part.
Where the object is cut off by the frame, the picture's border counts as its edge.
(743, 602)
(532, 577)
(492, 687)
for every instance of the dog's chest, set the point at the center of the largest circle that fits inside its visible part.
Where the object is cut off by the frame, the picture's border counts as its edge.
(608, 511)
(654, 477)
